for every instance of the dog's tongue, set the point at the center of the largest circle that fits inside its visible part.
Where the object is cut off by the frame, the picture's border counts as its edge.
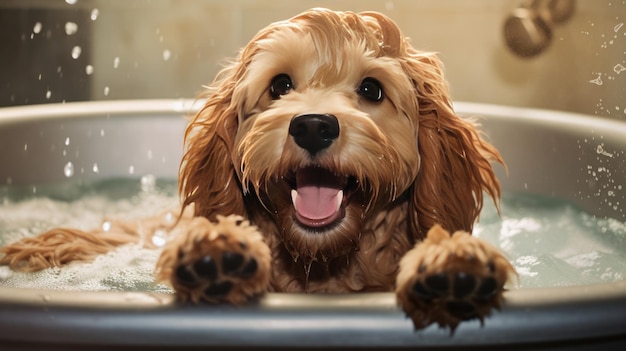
(317, 197)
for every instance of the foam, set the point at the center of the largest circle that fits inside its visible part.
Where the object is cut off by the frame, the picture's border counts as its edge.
(550, 243)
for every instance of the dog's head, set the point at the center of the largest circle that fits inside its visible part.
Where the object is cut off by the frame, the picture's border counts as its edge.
(327, 119)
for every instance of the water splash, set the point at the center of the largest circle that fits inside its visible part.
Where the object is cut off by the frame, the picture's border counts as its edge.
(68, 170)
(167, 54)
(600, 151)
(597, 81)
(76, 51)
(37, 28)
(148, 183)
(71, 28)
(619, 68)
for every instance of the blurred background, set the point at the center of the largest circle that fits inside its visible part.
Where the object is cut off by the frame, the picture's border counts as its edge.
(77, 50)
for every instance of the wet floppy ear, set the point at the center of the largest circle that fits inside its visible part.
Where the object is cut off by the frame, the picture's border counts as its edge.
(207, 174)
(455, 160)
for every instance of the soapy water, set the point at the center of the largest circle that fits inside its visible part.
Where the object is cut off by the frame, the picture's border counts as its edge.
(550, 242)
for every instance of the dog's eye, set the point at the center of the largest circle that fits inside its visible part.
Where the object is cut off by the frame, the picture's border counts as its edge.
(280, 85)
(371, 90)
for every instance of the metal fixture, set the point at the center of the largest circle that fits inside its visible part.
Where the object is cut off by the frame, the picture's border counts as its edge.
(528, 30)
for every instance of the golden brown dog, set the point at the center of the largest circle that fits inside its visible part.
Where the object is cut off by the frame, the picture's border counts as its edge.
(327, 158)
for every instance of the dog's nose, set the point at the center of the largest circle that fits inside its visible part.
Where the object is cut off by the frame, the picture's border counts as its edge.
(314, 132)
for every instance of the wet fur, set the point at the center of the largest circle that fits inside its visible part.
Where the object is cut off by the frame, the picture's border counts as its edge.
(417, 164)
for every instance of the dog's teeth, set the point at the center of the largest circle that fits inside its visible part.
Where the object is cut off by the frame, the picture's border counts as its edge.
(294, 196)
(339, 199)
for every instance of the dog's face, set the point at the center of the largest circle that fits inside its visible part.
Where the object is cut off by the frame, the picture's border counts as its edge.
(325, 133)
(327, 119)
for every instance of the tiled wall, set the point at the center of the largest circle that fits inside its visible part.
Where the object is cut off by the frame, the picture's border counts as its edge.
(170, 48)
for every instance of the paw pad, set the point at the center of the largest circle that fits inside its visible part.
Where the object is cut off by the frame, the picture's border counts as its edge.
(217, 277)
(223, 261)
(449, 278)
(460, 292)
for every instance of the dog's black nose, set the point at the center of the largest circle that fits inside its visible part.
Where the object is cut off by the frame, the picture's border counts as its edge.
(314, 132)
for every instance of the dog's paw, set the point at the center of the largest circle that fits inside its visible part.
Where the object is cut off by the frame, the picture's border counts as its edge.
(447, 279)
(226, 261)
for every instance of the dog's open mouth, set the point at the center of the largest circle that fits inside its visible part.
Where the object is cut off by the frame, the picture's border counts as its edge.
(319, 196)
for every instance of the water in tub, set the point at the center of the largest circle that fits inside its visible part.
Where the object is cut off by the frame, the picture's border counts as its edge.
(550, 242)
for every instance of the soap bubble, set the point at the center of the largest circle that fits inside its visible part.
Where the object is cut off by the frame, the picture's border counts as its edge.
(148, 183)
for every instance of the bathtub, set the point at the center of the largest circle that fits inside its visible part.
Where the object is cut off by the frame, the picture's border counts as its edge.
(547, 153)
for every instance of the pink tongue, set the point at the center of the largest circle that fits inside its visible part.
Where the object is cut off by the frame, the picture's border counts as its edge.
(318, 196)
(316, 202)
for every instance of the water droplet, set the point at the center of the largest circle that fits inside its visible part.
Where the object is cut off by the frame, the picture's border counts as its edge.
(71, 28)
(617, 27)
(71, 2)
(48, 95)
(106, 226)
(106, 91)
(600, 150)
(37, 28)
(67, 141)
(166, 54)
(68, 170)
(89, 70)
(94, 14)
(95, 168)
(76, 51)
(597, 81)
(25, 147)
(148, 183)
(159, 238)
(116, 62)
(131, 170)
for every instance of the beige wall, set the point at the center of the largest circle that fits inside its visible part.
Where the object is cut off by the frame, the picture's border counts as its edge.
(170, 48)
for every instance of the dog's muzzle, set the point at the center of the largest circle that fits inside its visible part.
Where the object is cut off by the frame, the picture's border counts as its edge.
(317, 193)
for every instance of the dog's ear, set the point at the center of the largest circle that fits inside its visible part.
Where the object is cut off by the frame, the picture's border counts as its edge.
(455, 160)
(207, 176)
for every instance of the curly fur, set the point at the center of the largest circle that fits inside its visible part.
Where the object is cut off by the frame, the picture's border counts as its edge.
(414, 163)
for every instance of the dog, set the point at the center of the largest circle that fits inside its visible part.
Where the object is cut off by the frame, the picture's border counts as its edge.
(327, 158)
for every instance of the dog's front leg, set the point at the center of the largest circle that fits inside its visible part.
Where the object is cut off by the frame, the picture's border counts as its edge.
(447, 279)
(223, 261)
